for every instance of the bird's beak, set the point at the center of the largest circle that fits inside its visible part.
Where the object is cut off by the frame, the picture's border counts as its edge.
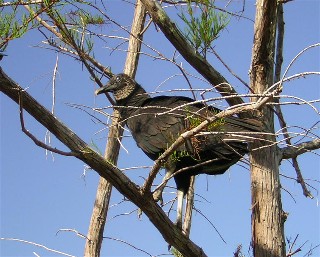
(111, 86)
(101, 90)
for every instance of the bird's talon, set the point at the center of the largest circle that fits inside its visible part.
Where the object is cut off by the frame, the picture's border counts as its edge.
(157, 196)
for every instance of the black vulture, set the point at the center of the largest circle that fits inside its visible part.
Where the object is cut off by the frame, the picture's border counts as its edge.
(156, 122)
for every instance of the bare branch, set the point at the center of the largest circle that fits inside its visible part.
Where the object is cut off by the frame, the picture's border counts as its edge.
(16, 3)
(68, 39)
(174, 35)
(72, 230)
(290, 252)
(292, 151)
(229, 69)
(34, 139)
(132, 246)
(36, 244)
(214, 227)
(309, 253)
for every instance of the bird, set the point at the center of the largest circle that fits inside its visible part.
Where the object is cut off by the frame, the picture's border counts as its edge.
(156, 122)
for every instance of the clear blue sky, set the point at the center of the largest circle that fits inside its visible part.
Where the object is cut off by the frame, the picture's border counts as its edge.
(41, 194)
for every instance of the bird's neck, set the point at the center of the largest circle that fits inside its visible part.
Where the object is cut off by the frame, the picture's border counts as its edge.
(136, 99)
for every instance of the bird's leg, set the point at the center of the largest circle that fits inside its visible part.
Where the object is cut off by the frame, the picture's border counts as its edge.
(180, 196)
(170, 168)
(157, 195)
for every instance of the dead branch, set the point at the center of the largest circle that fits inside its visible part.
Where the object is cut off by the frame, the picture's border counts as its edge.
(54, 75)
(16, 3)
(309, 253)
(210, 222)
(33, 138)
(174, 35)
(69, 40)
(72, 230)
(126, 243)
(293, 151)
(36, 244)
(229, 69)
(292, 252)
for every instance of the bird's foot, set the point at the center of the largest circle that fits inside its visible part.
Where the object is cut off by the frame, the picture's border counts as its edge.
(157, 196)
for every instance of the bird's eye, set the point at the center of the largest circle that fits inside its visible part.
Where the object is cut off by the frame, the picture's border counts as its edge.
(118, 78)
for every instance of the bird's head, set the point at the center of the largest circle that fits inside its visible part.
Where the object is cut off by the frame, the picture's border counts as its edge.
(120, 85)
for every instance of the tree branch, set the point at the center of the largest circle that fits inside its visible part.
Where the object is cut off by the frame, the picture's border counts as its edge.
(293, 151)
(176, 38)
(34, 139)
(38, 245)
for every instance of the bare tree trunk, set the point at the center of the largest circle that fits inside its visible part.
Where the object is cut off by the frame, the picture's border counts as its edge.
(267, 215)
(101, 204)
(100, 209)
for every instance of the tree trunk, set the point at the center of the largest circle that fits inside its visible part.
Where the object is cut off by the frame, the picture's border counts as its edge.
(267, 215)
(100, 209)
(101, 204)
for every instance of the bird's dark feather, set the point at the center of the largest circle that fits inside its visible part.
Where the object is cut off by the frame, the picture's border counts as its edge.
(155, 128)
(156, 122)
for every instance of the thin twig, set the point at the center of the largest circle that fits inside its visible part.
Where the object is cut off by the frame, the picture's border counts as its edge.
(54, 76)
(198, 211)
(72, 230)
(34, 139)
(229, 69)
(36, 244)
(132, 246)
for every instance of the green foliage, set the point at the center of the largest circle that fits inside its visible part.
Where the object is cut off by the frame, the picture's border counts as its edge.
(195, 120)
(88, 19)
(76, 31)
(177, 155)
(203, 24)
(70, 19)
(11, 27)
